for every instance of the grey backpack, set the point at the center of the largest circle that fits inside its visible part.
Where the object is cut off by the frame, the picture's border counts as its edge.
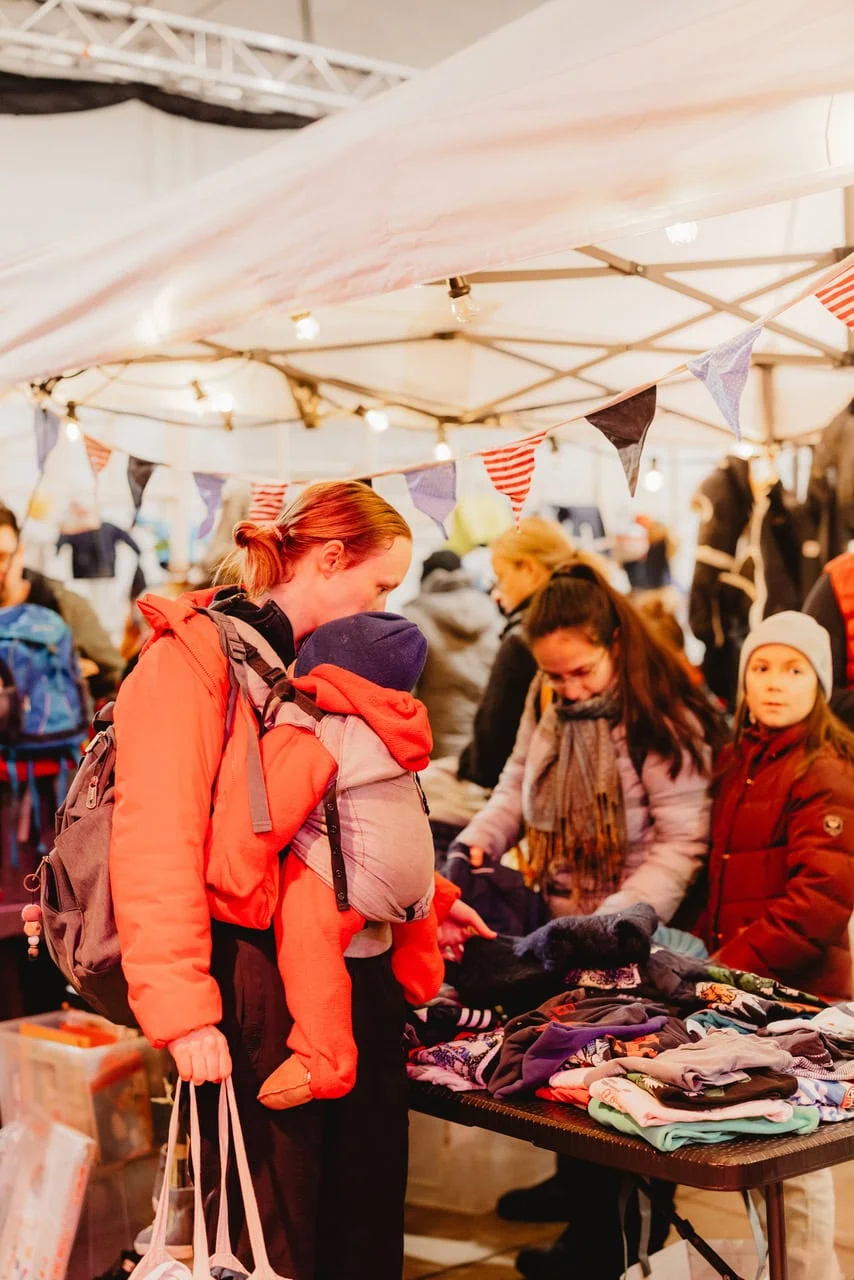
(73, 880)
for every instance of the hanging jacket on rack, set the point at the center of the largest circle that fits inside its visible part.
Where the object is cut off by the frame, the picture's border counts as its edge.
(748, 565)
(830, 495)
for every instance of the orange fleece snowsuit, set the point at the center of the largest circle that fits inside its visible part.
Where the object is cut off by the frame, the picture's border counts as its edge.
(181, 808)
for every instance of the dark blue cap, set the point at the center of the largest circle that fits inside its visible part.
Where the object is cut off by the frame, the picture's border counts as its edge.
(384, 648)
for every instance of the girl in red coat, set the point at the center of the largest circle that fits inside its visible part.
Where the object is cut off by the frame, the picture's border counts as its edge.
(782, 863)
(781, 867)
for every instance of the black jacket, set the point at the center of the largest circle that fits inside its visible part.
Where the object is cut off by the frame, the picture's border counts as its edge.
(822, 605)
(497, 719)
(744, 553)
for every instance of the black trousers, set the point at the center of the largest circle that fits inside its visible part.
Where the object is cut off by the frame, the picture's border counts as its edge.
(595, 1234)
(330, 1177)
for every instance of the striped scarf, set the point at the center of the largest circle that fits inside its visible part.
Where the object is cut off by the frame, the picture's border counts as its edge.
(573, 805)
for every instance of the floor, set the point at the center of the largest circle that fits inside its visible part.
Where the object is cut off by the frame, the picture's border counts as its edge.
(461, 1246)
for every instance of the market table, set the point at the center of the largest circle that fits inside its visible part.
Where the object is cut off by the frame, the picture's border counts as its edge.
(741, 1165)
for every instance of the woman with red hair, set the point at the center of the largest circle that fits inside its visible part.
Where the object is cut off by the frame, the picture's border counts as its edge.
(194, 919)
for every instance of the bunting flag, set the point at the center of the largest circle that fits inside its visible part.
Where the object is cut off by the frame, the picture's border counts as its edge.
(267, 502)
(139, 473)
(724, 370)
(838, 297)
(210, 492)
(625, 425)
(46, 424)
(511, 468)
(434, 491)
(98, 454)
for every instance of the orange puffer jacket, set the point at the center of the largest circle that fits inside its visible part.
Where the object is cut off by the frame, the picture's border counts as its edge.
(171, 867)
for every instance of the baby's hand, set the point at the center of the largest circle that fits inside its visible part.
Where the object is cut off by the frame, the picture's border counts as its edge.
(461, 923)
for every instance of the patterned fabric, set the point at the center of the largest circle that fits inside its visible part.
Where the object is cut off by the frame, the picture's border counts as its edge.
(834, 1099)
(576, 832)
(459, 1065)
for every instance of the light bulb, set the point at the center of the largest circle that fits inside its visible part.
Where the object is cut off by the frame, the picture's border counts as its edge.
(681, 232)
(306, 326)
(744, 449)
(223, 402)
(653, 480)
(465, 309)
(72, 426)
(443, 452)
(377, 420)
(463, 305)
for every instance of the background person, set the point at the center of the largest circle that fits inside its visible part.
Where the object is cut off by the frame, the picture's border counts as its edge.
(523, 560)
(610, 781)
(101, 662)
(781, 870)
(462, 627)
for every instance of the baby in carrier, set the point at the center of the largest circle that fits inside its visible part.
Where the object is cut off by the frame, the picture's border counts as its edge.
(359, 672)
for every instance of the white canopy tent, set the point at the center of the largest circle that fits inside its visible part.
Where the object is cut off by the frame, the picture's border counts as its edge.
(548, 158)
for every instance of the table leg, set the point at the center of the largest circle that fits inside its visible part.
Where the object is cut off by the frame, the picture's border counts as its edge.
(778, 1267)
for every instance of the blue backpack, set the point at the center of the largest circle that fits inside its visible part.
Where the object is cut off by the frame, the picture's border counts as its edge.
(43, 707)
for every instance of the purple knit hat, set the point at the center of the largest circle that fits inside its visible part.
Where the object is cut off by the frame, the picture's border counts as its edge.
(384, 648)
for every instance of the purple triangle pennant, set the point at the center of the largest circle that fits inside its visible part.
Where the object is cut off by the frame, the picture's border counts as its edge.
(139, 473)
(210, 492)
(625, 425)
(434, 491)
(724, 371)
(46, 424)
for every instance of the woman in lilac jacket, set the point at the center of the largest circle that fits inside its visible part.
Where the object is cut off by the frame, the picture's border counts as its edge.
(607, 795)
(608, 782)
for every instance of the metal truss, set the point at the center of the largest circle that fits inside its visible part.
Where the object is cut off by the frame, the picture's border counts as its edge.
(115, 41)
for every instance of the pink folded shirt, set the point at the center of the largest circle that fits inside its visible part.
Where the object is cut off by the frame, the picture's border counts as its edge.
(624, 1095)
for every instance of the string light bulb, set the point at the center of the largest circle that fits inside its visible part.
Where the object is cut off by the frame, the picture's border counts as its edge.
(223, 402)
(463, 305)
(306, 326)
(443, 451)
(377, 419)
(745, 449)
(653, 480)
(682, 232)
(72, 425)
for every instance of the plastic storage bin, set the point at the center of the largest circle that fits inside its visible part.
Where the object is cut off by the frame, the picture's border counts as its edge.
(104, 1092)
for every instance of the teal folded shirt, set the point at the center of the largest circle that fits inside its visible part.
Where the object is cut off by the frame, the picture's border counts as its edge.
(669, 1137)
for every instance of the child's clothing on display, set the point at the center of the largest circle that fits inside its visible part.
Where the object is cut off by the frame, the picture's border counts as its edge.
(379, 737)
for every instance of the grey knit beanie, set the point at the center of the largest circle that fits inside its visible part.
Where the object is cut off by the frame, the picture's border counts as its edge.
(798, 631)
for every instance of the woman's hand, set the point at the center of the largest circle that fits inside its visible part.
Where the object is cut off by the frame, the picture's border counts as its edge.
(202, 1056)
(461, 923)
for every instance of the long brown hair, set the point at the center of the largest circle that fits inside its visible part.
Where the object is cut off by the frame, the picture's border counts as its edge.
(336, 509)
(825, 732)
(662, 710)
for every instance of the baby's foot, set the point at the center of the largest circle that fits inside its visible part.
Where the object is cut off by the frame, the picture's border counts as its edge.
(288, 1086)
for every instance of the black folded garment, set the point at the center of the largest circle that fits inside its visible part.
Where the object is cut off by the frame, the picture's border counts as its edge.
(521, 973)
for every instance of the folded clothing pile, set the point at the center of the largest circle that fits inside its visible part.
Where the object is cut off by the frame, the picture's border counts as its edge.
(669, 1048)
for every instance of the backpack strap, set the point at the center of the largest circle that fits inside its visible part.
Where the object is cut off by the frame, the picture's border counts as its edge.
(234, 648)
(333, 831)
